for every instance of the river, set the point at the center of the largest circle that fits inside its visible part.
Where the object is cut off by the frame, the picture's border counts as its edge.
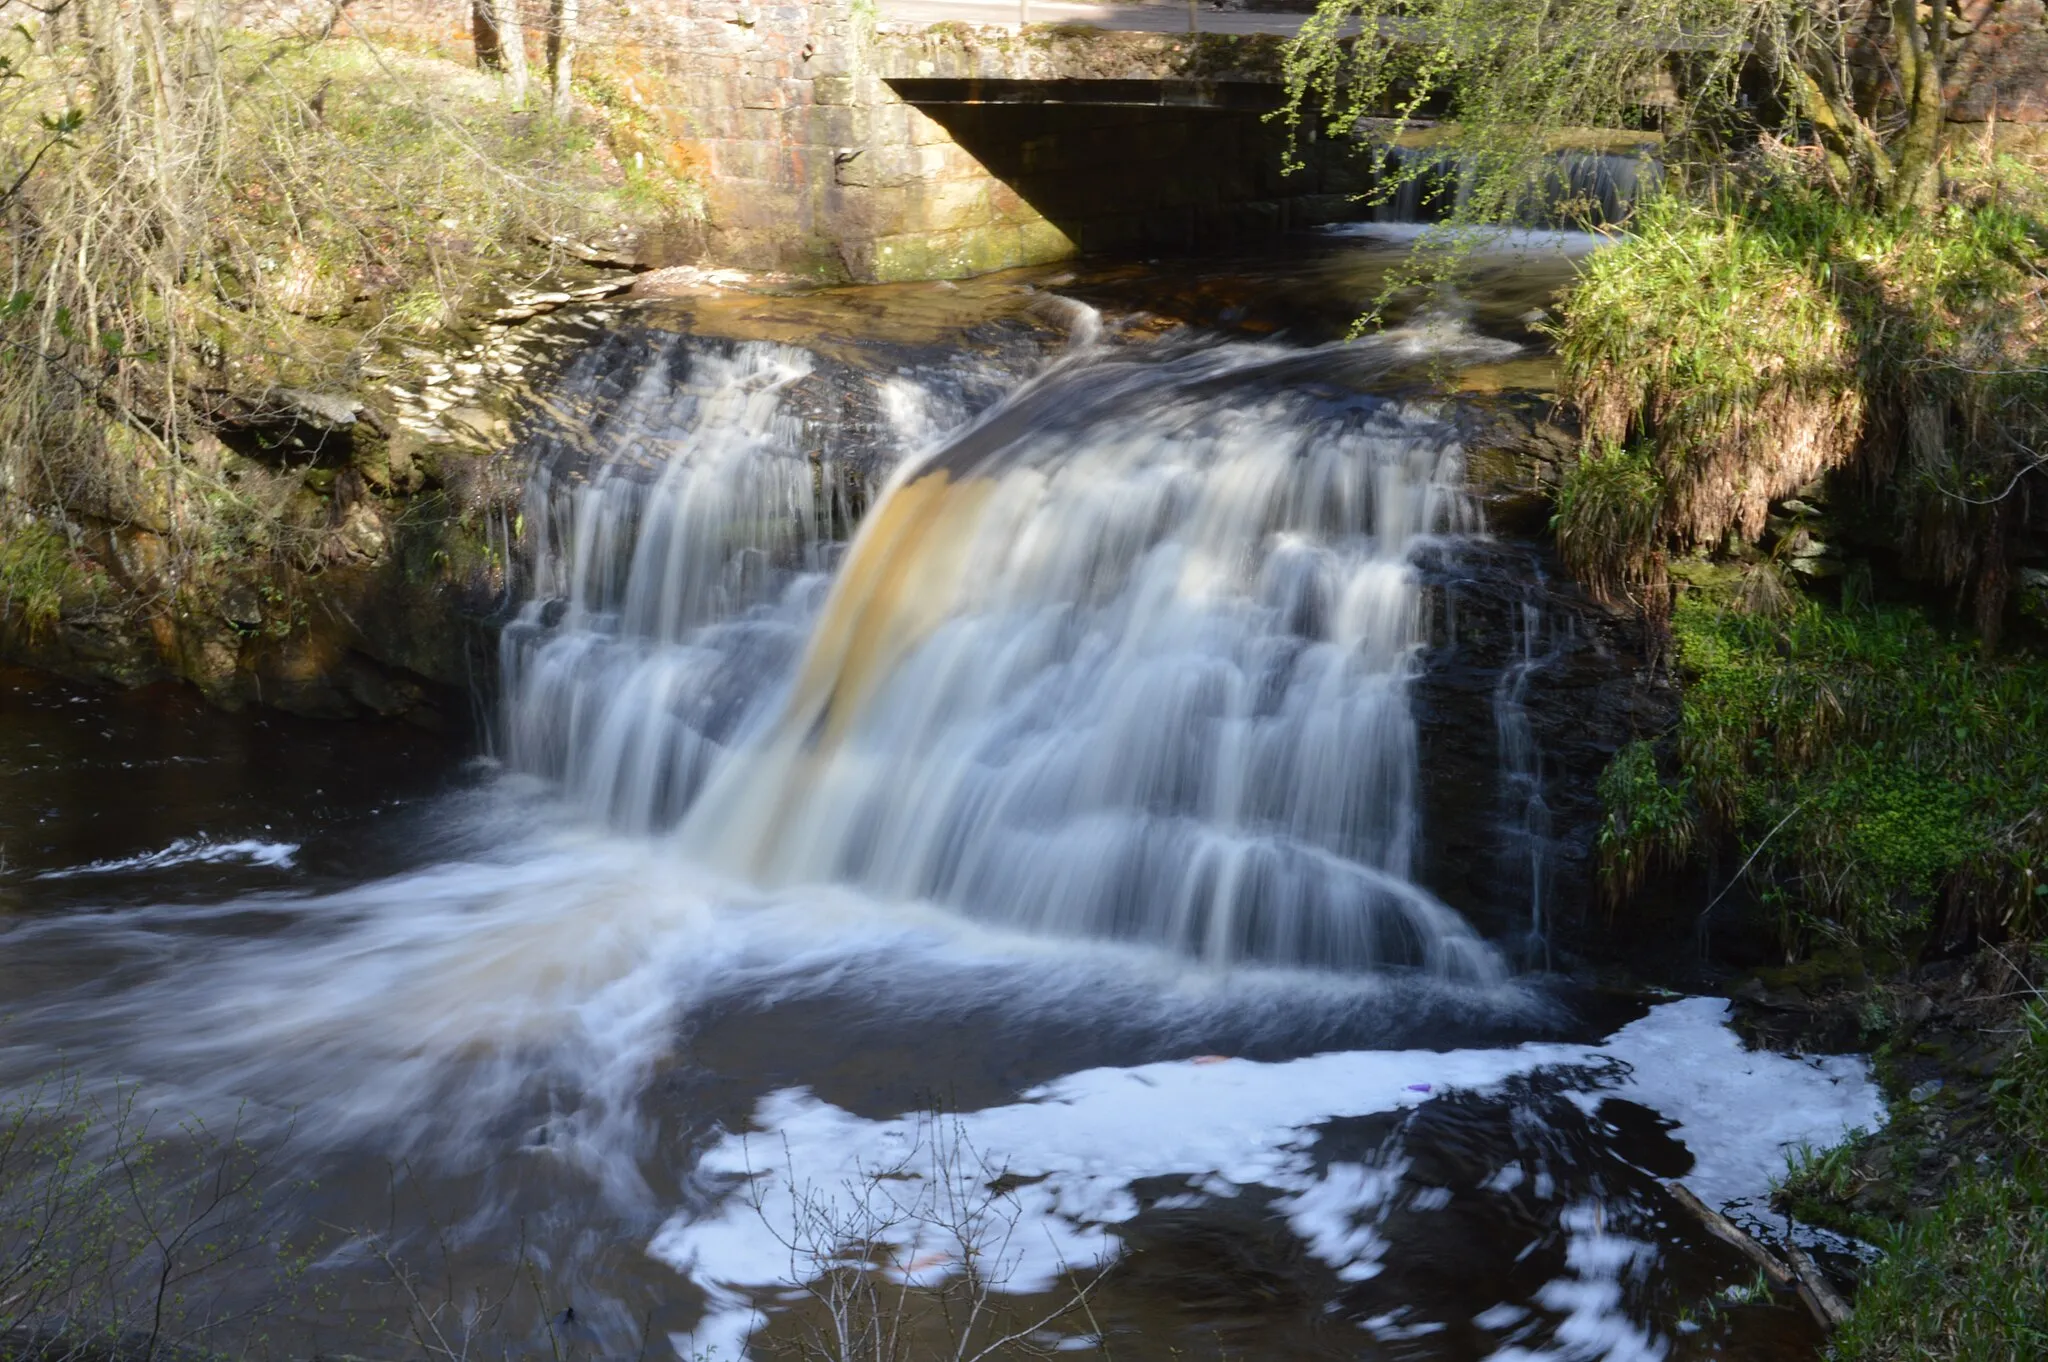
(963, 890)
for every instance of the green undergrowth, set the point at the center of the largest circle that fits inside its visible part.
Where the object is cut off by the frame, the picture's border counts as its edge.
(1967, 1280)
(1964, 1276)
(211, 224)
(1872, 772)
(1742, 349)
(380, 193)
(39, 577)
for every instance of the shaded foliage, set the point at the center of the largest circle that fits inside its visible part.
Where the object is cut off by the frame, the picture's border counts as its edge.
(1651, 820)
(1879, 777)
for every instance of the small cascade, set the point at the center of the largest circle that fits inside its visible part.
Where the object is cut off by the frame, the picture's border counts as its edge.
(1582, 189)
(1524, 815)
(1127, 658)
(684, 513)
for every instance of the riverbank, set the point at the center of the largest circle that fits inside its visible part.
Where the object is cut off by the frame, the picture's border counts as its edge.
(259, 386)
(1812, 436)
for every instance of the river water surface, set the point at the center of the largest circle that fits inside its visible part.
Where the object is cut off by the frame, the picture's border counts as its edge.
(998, 922)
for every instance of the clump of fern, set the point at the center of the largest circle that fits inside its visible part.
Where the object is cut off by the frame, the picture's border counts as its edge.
(1610, 523)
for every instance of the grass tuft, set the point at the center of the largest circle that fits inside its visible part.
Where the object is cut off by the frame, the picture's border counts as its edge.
(1610, 523)
(1968, 1281)
(1750, 350)
(1650, 824)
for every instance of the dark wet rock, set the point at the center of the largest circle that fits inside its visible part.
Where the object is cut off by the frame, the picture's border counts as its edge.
(1517, 644)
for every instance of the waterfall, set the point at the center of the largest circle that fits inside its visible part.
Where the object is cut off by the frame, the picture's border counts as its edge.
(1525, 813)
(1580, 189)
(679, 528)
(1129, 657)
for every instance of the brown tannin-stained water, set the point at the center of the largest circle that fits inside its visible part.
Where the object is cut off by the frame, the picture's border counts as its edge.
(972, 874)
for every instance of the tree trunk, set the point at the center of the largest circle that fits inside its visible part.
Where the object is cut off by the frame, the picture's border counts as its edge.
(561, 48)
(501, 42)
(1921, 52)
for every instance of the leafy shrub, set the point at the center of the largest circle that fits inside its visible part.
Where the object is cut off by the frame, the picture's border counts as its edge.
(118, 1239)
(1868, 766)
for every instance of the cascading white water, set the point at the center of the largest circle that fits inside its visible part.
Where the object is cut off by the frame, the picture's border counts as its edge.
(1525, 813)
(1581, 189)
(680, 536)
(1128, 658)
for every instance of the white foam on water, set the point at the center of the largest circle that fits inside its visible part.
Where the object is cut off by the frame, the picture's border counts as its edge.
(185, 851)
(419, 1012)
(1074, 1147)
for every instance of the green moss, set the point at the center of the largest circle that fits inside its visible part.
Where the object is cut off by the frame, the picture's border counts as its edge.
(1867, 764)
(40, 576)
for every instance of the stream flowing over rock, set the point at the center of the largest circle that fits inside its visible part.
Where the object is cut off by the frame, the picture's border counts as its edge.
(999, 792)
(1202, 642)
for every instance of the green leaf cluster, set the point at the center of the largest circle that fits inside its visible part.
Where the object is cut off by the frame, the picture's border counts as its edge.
(1650, 820)
(1868, 765)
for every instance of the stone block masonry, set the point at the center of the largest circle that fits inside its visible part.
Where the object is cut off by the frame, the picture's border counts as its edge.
(856, 180)
(792, 118)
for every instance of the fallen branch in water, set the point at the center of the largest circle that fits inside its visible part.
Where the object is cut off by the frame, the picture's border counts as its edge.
(1803, 1275)
(1814, 1288)
(1726, 1230)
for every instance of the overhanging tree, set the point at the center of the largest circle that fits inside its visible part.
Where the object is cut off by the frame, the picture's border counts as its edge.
(1498, 84)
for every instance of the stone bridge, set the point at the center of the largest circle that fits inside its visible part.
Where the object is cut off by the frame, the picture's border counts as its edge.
(879, 140)
(836, 140)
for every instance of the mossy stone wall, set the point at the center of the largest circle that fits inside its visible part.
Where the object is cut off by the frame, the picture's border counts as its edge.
(811, 162)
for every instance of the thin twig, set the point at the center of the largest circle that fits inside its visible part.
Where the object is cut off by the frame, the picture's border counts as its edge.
(1744, 869)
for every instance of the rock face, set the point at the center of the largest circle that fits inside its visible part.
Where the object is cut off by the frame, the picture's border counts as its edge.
(2003, 73)
(1525, 694)
(368, 585)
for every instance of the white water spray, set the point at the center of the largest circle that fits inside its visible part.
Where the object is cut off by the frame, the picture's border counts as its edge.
(1127, 659)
